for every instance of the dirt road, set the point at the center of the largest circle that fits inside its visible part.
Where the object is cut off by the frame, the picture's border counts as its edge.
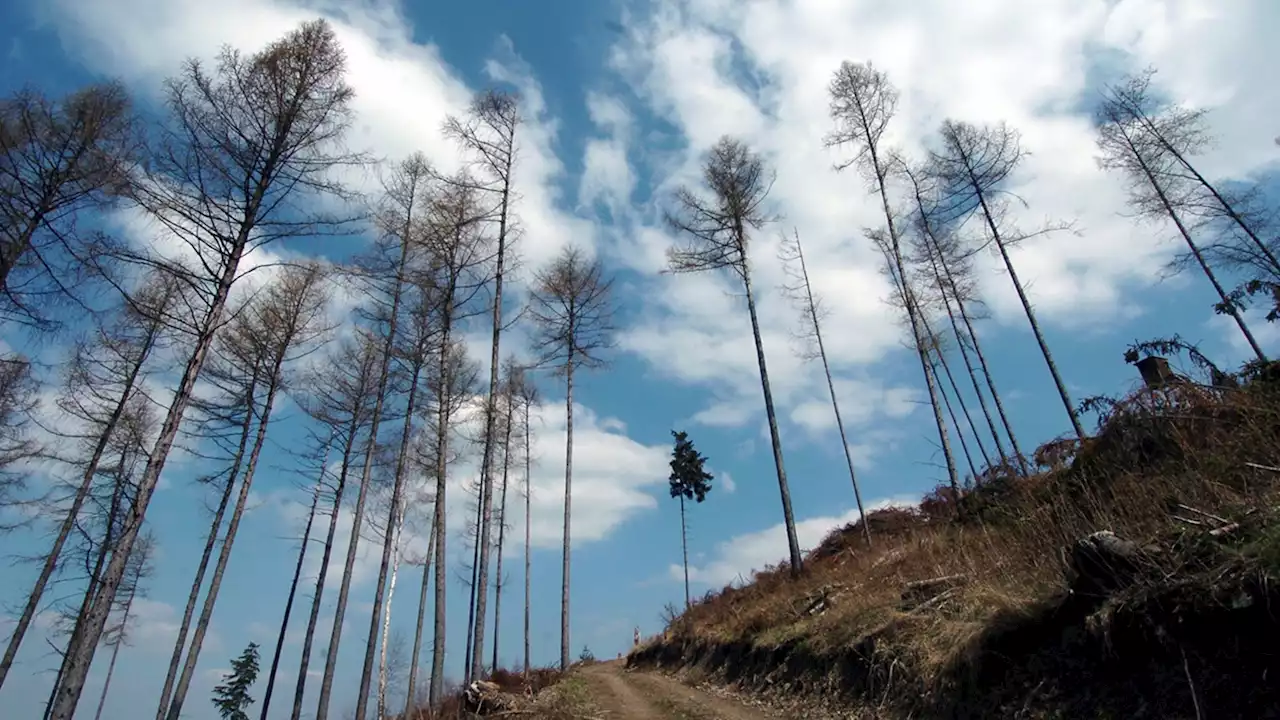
(613, 693)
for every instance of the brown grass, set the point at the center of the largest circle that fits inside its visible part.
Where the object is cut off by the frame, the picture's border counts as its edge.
(1155, 451)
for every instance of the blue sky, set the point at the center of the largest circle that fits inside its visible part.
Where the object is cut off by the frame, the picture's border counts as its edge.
(622, 97)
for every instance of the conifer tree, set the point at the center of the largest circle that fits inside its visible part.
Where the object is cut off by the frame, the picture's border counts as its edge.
(689, 481)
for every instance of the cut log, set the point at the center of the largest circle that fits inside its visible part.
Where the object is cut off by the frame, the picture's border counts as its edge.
(1102, 563)
(919, 592)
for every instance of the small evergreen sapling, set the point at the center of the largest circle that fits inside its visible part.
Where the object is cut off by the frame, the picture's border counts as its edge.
(689, 480)
(232, 696)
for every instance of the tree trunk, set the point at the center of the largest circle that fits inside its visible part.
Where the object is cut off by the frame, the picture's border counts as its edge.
(468, 665)
(386, 630)
(793, 543)
(684, 546)
(228, 542)
(955, 423)
(410, 703)
(293, 587)
(344, 590)
(68, 523)
(964, 353)
(180, 643)
(528, 518)
(486, 463)
(348, 448)
(502, 534)
(964, 407)
(115, 653)
(435, 693)
(568, 504)
(82, 653)
(835, 404)
(391, 536)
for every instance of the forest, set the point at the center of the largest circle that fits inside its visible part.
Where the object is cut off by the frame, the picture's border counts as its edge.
(219, 306)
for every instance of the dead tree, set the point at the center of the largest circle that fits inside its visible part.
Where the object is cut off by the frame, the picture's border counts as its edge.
(103, 378)
(527, 396)
(19, 398)
(800, 290)
(510, 372)
(972, 169)
(58, 158)
(117, 636)
(862, 104)
(572, 312)
(1136, 145)
(283, 320)
(243, 143)
(949, 264)
(488, 135)
(717, 230)
(341, 399)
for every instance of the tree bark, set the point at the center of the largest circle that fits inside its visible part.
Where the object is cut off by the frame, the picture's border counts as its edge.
(410, 702)
(568, 503)
(502, 534)
(293, 588)
(68, 523)
(528, 534)
(486, 463)
(684, 546)
(391, 537)
(793, 543)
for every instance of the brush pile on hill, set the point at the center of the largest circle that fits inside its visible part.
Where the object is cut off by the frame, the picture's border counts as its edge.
(1134, 576)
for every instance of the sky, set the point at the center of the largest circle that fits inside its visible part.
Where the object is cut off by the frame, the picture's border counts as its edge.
(621, 99)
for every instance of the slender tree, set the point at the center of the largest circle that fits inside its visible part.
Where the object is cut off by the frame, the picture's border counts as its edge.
(572, 311)
(1137, 144)
(716, 228)
(410, 699)
(243, 142)
(488, 135)
(526, 393)
(689, 480)
(510, 369)
(117, 636)
(863, 101)
(972, 168)
(800, 290)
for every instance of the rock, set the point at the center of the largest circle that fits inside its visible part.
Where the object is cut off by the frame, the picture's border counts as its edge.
(1102, 563)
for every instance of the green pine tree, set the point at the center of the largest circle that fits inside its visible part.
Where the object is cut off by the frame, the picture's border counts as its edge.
(232, 697)
(689, 481)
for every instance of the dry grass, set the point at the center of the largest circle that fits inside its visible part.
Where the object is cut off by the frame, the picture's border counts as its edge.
(1155, 454)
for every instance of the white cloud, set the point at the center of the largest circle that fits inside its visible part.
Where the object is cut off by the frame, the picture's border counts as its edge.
(735, 559)
(759, 70)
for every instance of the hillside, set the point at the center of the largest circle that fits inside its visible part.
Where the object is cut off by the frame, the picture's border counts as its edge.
(1130, 577)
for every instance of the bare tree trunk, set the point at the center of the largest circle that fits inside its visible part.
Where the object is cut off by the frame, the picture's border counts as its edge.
(812, 308)
(435, 693)
(964, 408)
(528, 518)
(422, 614)
(486, 463)
(115, 653)
(955, 423)
(68, 523)
(228, 542)
(468, 664)
(386, 629)
(568, 502)
(793, 543)
(502, 534)
(316, 600)
(233, 473)
(339, 613)
(293, 586)
(684, 546)
(391, 536)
